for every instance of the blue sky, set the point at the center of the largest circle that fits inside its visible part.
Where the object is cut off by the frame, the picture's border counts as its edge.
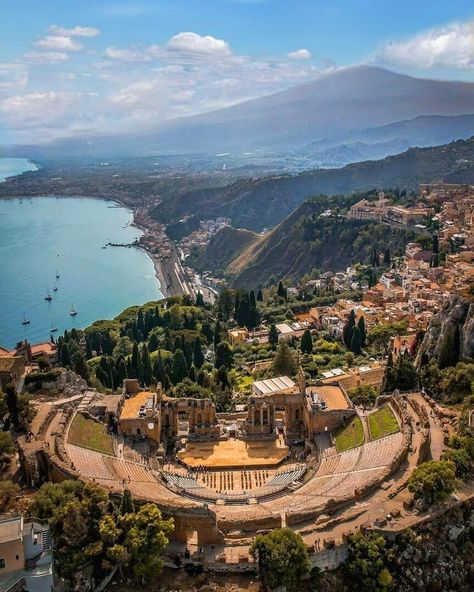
(89, 66)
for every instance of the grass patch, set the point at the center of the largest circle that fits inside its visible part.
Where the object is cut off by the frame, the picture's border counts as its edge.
(383, 423)
(88, 433)
(350, 436)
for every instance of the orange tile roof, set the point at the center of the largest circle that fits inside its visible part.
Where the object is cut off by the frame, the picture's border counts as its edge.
(132, 405)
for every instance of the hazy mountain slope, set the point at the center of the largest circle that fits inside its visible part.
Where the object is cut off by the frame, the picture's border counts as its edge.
(379, 142)
(262, 203)
(337, 103)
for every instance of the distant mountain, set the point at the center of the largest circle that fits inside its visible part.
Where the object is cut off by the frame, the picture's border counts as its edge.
(336, 105)
(261, 203)
(302, 242)
(379, 142)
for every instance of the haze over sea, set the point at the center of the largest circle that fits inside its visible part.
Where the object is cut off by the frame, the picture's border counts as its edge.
(40, 236)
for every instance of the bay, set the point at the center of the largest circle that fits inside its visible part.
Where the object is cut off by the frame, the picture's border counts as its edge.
(10, 167)
(43, 236)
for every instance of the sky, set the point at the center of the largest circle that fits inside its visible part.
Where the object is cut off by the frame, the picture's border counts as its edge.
(86, 67)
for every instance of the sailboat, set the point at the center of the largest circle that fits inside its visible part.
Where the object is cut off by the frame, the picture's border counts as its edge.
(55, 289)
(48, 297)
(25, 321)
(57, 274)
(73, 312)
(53, 328)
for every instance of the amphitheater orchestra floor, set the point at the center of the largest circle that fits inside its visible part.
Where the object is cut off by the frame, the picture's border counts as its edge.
(234, 453)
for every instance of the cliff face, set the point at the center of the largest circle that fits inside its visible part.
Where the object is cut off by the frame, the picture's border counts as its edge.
(454, 324)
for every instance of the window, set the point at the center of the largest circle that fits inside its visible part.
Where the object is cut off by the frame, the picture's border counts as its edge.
(17, 557)
(2, 563)
(139, 432)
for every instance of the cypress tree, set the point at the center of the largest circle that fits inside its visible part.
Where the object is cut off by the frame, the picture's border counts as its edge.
(386, 258)
(348, 328)
(159, 371)
(363, 332)
(259, 296)
(306, 342)
(121, 369)
(252, 300)
(217, 334)
(126, 504)
(223, 355)
(244, 315)
(356, 341)
(65, 356)
(146, 365)
(11, 399)
(180, 368)
(200, 300)
(389, 376)
(134, 359)
(198, 356)
(284, 361)
(273, 336)
(281, 291)
(80, 366)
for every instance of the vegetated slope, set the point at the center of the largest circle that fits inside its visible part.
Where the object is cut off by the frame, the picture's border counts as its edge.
(256, 204)
(223, 248)
(306, 241)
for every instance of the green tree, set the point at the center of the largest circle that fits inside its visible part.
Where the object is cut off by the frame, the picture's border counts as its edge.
(179, 368)
(146, 365)
(386, 258)
(123, 347)
(198, 356)
(8, 492)
(259, 296)
(7, 447)
(284, 361)
(306, 342)
(200, 300)
(146, 539)
(363, 332)
(433, 481)
(347, 330)
(356, 341)
(282, 559)
(224, 356)
(12, 404)
(368, 563)
(273, 336)
(281, 291)
(461, 459)
(80, 366)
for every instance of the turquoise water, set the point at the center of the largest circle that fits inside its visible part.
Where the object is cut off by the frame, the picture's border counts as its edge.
(43, 235)
(15, 166)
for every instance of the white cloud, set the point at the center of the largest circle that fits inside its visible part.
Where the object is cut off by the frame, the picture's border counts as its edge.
(126, 54)
(74, 32)
(187, 75)
(300, 54)
(451, 46)
(192, 43)
(58, 43)
(13, 76)
(45, 57)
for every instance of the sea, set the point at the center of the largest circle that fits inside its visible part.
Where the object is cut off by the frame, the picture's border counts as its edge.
(45, 237)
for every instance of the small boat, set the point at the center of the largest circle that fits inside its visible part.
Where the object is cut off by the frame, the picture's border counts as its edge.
(25, 321)
(73, 312)
(53, 328)
(55, 289)
(57, 274)
(48, 297)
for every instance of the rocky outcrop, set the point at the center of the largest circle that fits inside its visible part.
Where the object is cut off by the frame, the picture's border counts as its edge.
(455, 321)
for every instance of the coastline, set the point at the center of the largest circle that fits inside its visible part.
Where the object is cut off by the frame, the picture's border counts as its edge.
(168, 272)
